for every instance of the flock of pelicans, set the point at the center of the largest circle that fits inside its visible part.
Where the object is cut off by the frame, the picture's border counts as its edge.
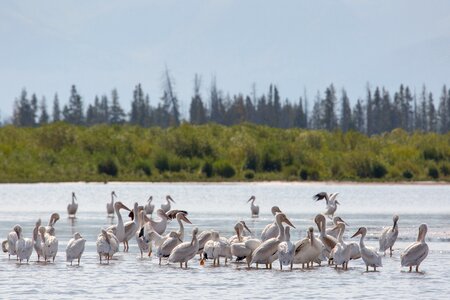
(273, 244)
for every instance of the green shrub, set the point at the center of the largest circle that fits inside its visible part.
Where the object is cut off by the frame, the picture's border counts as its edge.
(408, 174)
(207, 169)
(303, 174)
(249, 174)
(270, 163)
(144, 167)
(108, 167)
(433, 172)
(432, 154)
(224, 169)
(445, 170)
(162, 162)
(378, 170)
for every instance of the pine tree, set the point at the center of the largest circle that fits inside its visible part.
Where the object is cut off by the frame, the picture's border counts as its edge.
(117, 115)
(197, 111)
(358, 117)
(346, 112)
(56, 109)
(23, 114)
(432, 123)
(329, 119)
(73, 112)
(44, 117)
(443, 117)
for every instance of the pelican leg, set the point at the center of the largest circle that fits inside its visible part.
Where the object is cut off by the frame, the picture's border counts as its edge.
(303, 266)
(281, 266)
(218, 260)
(410, 268)
(417, 268)
(100, 257)
(374, 268)
(226, 260)
(390, 249)
(54, 258)
(270, 266)
(185, 264)
(71, 263)
(257, 265)
(367, 268)
(108, 259)
(291, 265)
(79, 261)
(181, 265)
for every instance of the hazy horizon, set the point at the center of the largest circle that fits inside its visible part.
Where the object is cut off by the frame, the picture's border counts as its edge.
(297, 45)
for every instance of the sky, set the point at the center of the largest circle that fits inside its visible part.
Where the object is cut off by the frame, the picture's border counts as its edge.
(301, 46)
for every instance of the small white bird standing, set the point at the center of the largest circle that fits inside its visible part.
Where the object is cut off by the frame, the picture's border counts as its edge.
(149, 207)
(415, 253)
(185, 251)
(286, 250)
(166, 206)
(110, 206)
(369, 255)
(253, 208)
(49, 243)
(308, 250)
(37, 241)
(9, 245)
(75, 248)
(107, 244)
(389, 236)
(72, 207)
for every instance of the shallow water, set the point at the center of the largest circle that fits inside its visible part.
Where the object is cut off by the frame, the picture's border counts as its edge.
(219, 206)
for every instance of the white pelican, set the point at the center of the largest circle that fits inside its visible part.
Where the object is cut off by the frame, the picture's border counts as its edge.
(308, 250)
(271, 230)
(330, 201)
(107, 245)
(286, 250)
(131, 227)
(49, 243)
(239, 236)
(118, 229)
(334, 232)
(9, 245)
(253, 208)
(328, 241)
(266, 253)
(203, 237)
(415, 253)
(110, 206)
(166, 207)
(208, 249)
(149, 207)
(37, 241)
(50, 229)
(72, 207)
(389, 236)
(216, 248)
(243, 246)
(369, 255)
(24, 246)
(141, 240)
(343, 252)
(185, 251)
(75, 248)
(160, 226)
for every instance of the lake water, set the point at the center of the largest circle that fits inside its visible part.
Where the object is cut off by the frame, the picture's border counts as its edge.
(219, 206)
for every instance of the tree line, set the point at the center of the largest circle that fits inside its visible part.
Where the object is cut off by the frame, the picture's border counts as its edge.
(380, 111)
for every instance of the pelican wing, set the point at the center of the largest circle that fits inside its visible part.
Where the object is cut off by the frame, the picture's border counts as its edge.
(265, 251)
(171, 214)
(270, 231)
(75, 248)
(166, 248)
(371, 258)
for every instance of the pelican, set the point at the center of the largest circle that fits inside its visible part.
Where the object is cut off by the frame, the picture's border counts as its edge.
(110, 206)
(208, 250)
(415, 253)
(159, 227)
(286, 250)
(271, 230)
(266, 253)
(72, 207)
(343, 252)
(185, 251)
(369, 255)
(9, 245)
(49, 243)
(253, 208)
(141, 240)
(239, 229)
(107, 245)
(131, 227)
(118, 229)
(166, 207)
(334, 232)
(203, 237)
(51, 223)
(330, 201)
(24, 246)
(149, 207)
(328, 241)
(308, 250)
(75, 248)
(37, 241)
(389, 236)
(174, 238)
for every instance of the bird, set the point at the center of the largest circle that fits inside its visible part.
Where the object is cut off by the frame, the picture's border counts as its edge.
(389, 236)
(334, 232)
(239, 236)
(49, 243)
(149, 207)
(37, 241)
(142, 241)
(203, 238)
(271, 230)
(243, 246)
(185, 251)
(50, 229)
(107, 244)
(131, 227)
(286, 250)
(328, 241)
(415, 253)
(9, 245)
(343, 251)
(110, 206)
(308, 250)
(253, 208)
(24, 246)
(266, 253)
(75, 248)
(72, 207)
(166, 206)
(216, 248)
(330, 201)
(118, 229)
(208, 249)
(369, 255)
(161, 225)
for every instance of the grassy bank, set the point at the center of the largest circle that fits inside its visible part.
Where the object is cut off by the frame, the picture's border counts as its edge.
(61, 152)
